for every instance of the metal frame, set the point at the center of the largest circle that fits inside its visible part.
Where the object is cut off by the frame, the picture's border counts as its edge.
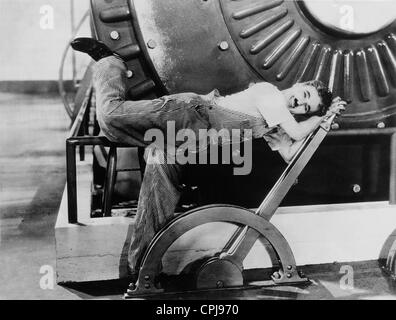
(111, 172)
(228, 265)
(71, 179)
(244, 238)
(150, 267)
(392, 161)
(78, 137)
(253, 225)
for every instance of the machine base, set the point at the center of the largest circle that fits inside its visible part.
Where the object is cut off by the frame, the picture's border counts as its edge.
(96, 248)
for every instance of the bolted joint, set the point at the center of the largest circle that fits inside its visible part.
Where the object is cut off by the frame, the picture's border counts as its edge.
(115, 35)
(223, 45)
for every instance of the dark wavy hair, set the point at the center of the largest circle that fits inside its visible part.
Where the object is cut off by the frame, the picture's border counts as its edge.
(326, 96)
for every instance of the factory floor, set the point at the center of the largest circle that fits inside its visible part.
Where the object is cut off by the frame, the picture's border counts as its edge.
(32, 179)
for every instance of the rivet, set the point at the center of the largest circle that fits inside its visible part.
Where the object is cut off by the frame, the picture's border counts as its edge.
(335, 126)
(219, 284)
(380, 125)
(276, 275)
(151, 44)
(115, 35)
(356, 188)
(223, 45)
(147, 286)
(289, 267)
(289, 275)
(146, 278)
(129, 74)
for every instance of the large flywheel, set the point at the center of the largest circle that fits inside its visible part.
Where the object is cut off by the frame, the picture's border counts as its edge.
(197, 45)
(350, 46)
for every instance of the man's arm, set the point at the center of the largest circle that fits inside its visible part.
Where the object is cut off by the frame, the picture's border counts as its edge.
(299, 130)
(280, 141)
(288, 152)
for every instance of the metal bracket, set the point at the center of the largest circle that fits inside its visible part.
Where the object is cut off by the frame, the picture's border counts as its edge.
(227, 267)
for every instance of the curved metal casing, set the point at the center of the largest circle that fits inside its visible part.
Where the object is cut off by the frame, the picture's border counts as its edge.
(187, 45)
(147, 283)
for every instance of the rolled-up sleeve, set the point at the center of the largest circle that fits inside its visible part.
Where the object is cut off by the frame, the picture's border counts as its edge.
(278, 139)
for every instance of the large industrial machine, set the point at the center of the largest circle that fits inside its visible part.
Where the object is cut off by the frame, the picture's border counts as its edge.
(197, 45)
(181, 46)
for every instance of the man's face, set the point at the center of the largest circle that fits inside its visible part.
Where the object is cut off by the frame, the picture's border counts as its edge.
(304, 99)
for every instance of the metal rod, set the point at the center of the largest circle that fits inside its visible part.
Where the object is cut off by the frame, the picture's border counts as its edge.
(111, 174)
(85, 122)
(241, 233)
(94, 141)
(362, 132)
(73, 31)
(392, 171)
(242, 241)
(71, 173)
(82, 114)
(81, 149)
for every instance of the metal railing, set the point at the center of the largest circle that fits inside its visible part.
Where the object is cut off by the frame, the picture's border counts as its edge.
(78, 137)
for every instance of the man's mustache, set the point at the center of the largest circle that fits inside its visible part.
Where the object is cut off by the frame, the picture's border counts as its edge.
(294, 102)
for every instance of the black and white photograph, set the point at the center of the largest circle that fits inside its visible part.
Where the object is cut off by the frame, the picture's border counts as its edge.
(196, 154)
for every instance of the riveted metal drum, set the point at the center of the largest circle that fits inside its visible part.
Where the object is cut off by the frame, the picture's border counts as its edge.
(200, 45)
(196, 45)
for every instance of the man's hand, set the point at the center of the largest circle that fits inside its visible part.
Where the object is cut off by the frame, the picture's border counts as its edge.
(299, 130)
(336, 107)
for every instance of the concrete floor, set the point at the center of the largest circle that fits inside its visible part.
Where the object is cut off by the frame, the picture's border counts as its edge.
(32, 178)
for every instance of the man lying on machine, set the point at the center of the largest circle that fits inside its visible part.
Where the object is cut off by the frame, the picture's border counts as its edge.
(263, 108)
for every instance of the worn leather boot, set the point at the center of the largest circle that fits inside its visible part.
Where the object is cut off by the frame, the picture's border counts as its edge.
(95, 49)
